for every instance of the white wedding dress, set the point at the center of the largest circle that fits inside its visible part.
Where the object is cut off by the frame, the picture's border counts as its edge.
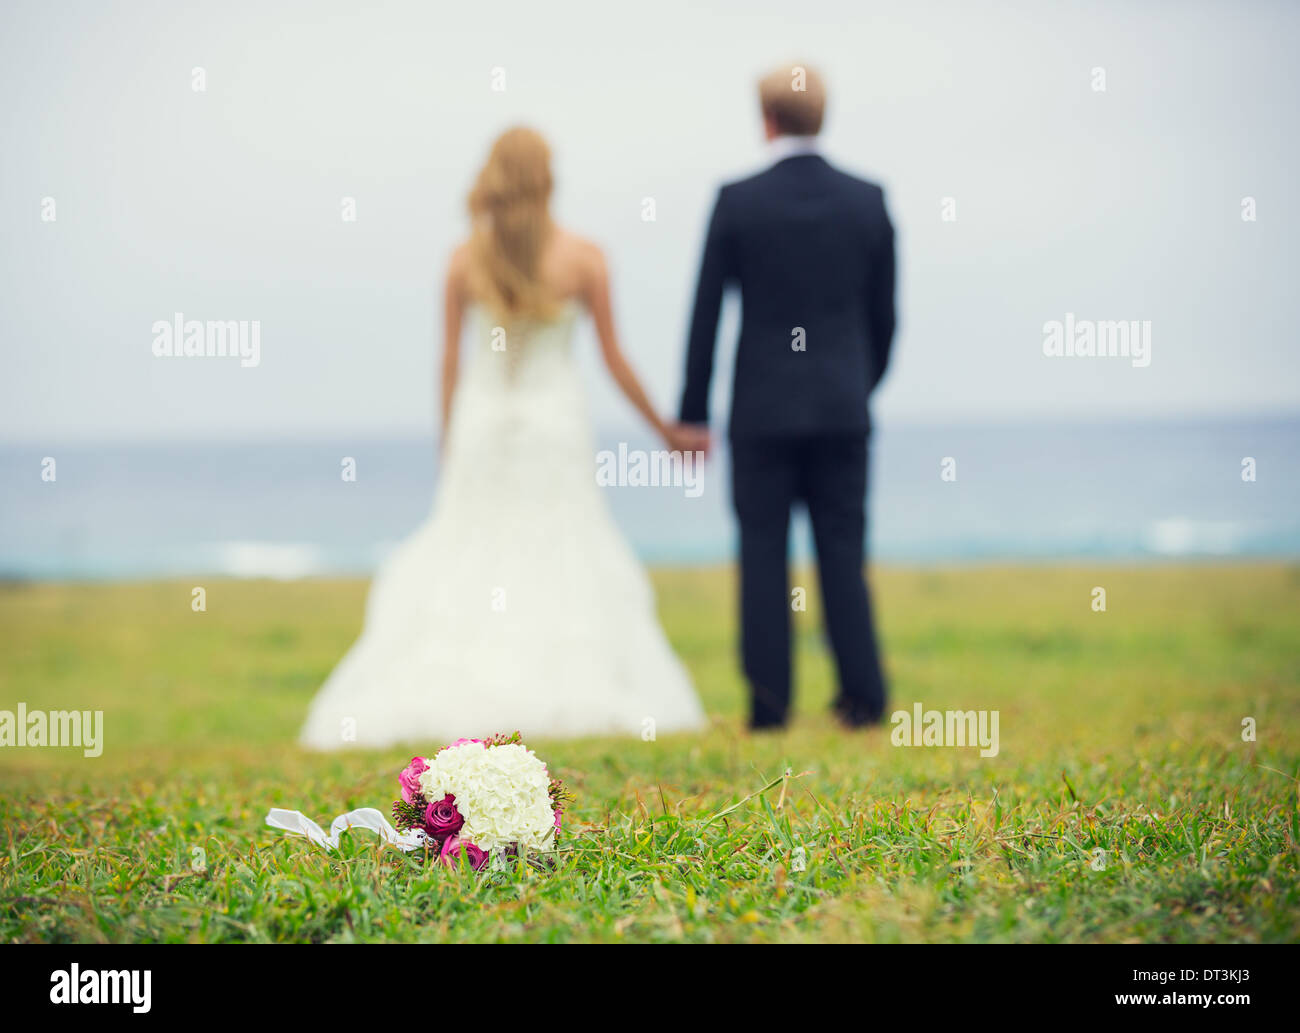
(517, 605)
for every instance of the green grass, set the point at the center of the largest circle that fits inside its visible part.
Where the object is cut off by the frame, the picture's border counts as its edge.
(1120, 732)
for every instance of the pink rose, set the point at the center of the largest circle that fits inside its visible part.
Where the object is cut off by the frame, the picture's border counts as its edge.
(461, 742)
(409, 779)
(455, 846)
(441, 819)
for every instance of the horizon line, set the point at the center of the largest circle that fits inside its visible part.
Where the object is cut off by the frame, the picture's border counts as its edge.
(912, 423)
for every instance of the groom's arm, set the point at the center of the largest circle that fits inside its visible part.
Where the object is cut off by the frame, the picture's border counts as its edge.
(715, 271)
(880, 299)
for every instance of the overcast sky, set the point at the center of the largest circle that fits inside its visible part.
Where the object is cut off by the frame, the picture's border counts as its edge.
(226, 204)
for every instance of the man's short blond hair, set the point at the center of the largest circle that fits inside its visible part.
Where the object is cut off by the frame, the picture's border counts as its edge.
(794, 98)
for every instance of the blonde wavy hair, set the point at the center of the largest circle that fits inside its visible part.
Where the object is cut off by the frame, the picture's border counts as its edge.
(510, 207)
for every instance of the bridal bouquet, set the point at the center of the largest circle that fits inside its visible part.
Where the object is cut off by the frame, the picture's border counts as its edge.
(479, 797)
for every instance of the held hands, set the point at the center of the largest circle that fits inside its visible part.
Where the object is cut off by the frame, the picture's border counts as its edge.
(688, 437)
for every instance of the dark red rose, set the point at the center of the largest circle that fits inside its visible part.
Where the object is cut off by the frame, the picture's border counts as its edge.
(441, 819)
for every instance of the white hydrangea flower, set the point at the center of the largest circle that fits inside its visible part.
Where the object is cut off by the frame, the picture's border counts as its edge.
(501, 791)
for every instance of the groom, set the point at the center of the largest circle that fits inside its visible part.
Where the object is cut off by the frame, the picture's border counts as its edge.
(812, 251)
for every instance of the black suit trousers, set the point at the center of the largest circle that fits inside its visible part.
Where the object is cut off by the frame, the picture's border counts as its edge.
(828, 473)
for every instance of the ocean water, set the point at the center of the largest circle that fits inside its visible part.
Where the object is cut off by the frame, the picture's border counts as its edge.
(1129, 492)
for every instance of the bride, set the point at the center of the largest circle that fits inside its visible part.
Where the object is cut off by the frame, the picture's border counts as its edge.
(517, 605)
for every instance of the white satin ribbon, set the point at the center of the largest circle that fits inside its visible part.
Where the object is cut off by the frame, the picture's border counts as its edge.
(298, 824)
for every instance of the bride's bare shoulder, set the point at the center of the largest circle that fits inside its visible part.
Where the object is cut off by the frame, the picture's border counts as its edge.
(583, 258)
(458, 269)
(458, 260)
(572, 264)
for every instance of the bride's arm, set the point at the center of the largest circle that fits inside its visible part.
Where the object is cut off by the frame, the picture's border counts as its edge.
(596, 295)
(453, 308)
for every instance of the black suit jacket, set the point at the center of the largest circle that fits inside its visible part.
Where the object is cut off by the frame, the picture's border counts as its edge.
(809, 247)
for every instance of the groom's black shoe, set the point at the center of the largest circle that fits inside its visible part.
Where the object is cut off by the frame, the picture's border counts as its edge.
(768, 710)
(852, 717)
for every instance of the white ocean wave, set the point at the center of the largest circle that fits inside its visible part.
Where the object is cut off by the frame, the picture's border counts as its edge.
(283, 561)
(1182, 536)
